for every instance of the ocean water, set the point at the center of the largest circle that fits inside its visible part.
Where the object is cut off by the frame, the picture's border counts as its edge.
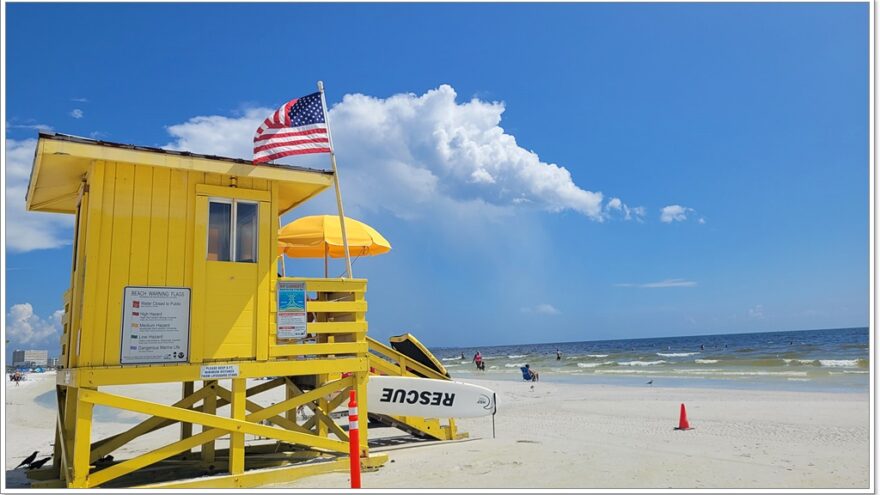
(819, 360)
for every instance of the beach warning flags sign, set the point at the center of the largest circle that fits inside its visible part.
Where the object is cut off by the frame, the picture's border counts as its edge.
(683, 420)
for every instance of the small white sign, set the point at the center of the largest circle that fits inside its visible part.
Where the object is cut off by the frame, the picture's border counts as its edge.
(291, 325)
(291, 317)
(215, 371)
(155, 325)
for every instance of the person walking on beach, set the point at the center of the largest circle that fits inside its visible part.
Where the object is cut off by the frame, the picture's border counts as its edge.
(478, 360)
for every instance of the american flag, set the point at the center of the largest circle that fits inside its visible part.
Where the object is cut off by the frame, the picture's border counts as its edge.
(296, 128)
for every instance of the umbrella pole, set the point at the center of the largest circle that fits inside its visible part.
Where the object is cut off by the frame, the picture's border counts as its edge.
(336, 182)
(326, 266)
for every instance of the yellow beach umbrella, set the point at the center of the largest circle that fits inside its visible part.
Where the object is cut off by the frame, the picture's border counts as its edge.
(320, 236)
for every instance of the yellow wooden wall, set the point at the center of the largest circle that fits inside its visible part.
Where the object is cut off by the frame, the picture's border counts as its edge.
(139, 231)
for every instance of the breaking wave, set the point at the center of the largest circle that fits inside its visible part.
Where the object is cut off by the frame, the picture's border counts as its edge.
(843, 363)
(594, 365)
(830, 363)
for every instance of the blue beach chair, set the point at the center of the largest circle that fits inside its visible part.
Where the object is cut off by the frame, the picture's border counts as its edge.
(528, 374)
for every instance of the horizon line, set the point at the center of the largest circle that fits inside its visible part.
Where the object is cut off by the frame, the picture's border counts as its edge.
(867, 327)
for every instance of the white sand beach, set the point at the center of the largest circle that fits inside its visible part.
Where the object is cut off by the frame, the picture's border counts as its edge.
(559, 435)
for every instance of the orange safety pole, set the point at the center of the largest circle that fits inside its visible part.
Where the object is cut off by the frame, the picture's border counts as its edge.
(354, 441)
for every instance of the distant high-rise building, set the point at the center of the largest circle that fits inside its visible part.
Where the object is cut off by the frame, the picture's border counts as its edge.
(53, 362)
(30, 357)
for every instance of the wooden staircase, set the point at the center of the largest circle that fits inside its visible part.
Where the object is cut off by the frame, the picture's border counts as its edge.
(386, 361)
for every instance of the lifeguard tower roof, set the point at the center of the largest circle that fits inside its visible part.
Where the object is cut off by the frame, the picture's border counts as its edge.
(62, 161)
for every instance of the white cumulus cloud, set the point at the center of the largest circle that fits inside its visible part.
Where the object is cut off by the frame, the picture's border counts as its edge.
(218, 135)
(24, 327)
(422, 152)
(29, 126)
(674, 213)
(26, 231)
(615, 205)
(76, 113)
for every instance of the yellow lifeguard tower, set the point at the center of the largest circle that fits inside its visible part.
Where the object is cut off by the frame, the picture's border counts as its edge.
(174, 280)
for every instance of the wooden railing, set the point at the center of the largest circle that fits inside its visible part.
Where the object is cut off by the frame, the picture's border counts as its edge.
(387, 361)
(390, 362)
(337, 309)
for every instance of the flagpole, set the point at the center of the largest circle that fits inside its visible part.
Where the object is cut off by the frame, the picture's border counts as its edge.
(336, 182)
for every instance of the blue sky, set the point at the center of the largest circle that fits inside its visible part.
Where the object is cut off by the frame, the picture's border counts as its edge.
(545, 173)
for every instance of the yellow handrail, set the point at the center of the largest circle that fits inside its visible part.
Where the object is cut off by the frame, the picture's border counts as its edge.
(402, 362)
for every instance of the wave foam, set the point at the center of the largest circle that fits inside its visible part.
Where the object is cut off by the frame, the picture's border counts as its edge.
(640, 363)
(677, 354)
(516, 356)
(705, 361)
(704, 373)
(839, 363)
(800, 361)
(593, 365)
(597, 355)
(761, 373)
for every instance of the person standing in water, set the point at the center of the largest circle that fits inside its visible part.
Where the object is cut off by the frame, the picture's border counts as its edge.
(558, 355)
(478, 360)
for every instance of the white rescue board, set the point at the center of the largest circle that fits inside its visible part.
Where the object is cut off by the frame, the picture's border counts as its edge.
(428, 398)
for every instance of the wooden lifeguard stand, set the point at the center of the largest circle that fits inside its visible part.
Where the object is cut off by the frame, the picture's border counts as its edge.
(174, 279)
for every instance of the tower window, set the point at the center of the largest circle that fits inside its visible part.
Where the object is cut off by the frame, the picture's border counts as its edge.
(232, 230)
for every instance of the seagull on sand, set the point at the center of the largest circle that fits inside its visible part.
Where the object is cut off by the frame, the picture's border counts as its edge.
(650, 382)
(29, 459)
(39, 464)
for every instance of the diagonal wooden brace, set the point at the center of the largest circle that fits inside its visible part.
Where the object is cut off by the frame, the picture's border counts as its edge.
(152, 457)
(323, 416)
(254, 407)
(331, 406)
(210, 420)
(110, 444)
(308, 397)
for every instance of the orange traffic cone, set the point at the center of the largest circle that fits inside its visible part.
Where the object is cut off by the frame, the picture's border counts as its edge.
(683, 420)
